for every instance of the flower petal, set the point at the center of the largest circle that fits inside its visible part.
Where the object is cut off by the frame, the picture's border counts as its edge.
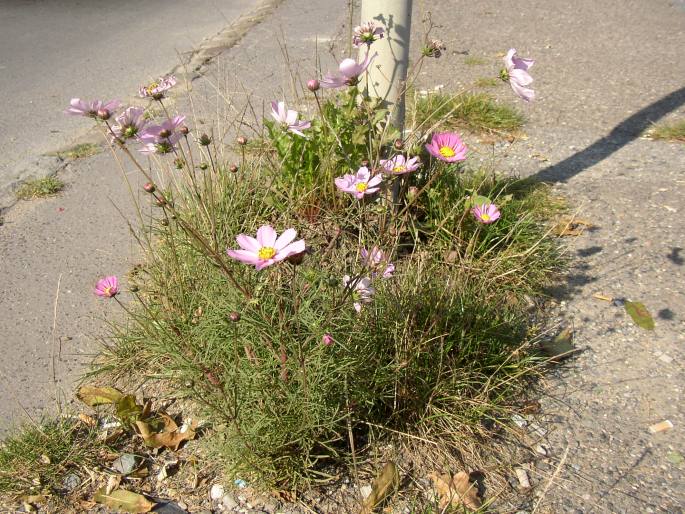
(248, 243)
(243, 256)
(285, 239)
(266, 235)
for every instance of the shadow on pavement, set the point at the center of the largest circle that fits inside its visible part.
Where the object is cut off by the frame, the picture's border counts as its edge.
(629, 129)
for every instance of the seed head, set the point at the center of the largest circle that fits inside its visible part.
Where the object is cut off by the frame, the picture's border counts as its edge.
(242, 140)
(149, 187)
(233, 168)
(205, 140)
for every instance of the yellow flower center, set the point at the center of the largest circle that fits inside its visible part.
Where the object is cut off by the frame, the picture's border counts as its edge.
(108, 291)
(266, 252)
(399, 169)
(484, 216)
(446, 152)
(151, 87)
(362, 186)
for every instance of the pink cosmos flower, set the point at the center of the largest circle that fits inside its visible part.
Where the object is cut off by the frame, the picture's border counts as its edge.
(349, 70)
(486, 213)
(447, 146)
(157, 89)
(366, 34)
(160, 139)
(130, 123)
(107, 287)
(376, 259)
(288, 118)
(516, 73)
(90, 109)
(362, 292)
(399, 165)
(266, 249)
(327, 339)
(360, 184)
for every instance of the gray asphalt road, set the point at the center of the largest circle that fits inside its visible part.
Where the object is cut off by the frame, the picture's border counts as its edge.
(53, 50)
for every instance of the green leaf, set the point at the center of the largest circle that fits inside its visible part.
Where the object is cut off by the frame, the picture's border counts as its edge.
(98, 395)
(123, 500)
(640, 315)
(359, 135)
(474, 200)
(127, 409)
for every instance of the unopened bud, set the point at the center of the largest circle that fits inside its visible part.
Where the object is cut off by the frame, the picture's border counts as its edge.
(204, 166)
(104, 114)
(365, 163)
(313, 85)
(149, 187)
(134, 288)
(205, 140)
(242, 140)
(234, 317)
(183, 130)
(161, 202)
(398, 144)
(164, 222)
(233, 168)
(179, 163)
(327, 339)
(164, 133)
(412, 192)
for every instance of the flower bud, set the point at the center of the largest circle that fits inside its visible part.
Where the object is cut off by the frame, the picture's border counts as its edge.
(204, 140)
(233, 168)
(149, 187)
(164, 222)
(313, 85)
(104, 114)
(164, 133)
(398, 144)
(242, 140)
(204, 166)
(327, 339)
(134, 288)
(183, 130)
(365, 163)
(179, 163)
(234, 316)
(161, 202)
(412, 192)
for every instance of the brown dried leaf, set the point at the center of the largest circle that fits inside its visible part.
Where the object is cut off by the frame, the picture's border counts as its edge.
(170, 436)
(456, 490)
(98, 395)
(382, 486)
(87, 420)
(571, 227)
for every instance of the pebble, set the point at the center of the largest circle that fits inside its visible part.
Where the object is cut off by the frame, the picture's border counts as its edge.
(661, 427)
(216, 492)
(365, 491)
(228, 502)
(522, 477)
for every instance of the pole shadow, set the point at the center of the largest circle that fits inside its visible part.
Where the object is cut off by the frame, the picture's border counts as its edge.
(628, 130)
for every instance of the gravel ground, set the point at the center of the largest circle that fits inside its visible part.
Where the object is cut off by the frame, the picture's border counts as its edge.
(604, 71)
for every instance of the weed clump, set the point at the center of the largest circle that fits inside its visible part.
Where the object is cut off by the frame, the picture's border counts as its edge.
(40, 188)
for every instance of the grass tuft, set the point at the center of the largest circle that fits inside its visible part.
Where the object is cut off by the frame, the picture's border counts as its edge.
(674, 131)
(476, 113)
(484, 82)
(36, 459)
(40, 188)
(474, 60)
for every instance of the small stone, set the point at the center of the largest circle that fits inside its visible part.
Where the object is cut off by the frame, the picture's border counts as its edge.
(365, 491)
(216, 492)
(71, 481)
(522, 477)
(665, 358)
(541, 450)
(228, 502)
(519, 420)
(661, 427)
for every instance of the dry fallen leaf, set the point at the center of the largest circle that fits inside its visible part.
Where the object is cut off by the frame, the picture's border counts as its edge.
(98, 395)
(571, 227)
(456, 491)
(382, 486)
(126, 501)
(171, 436)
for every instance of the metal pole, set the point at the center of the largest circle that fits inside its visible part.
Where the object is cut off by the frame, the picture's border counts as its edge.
(388, 73)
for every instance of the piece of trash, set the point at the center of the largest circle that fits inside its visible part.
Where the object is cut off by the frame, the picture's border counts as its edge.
(240, 483)
(522, 477)
(123, 500)
(665, 358)
(600, 296)
(640, 315)
(661, 427)
(618, 302)
(540, 450)
(541, 432)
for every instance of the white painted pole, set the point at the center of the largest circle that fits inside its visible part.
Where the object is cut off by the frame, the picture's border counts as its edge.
(388, 72)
